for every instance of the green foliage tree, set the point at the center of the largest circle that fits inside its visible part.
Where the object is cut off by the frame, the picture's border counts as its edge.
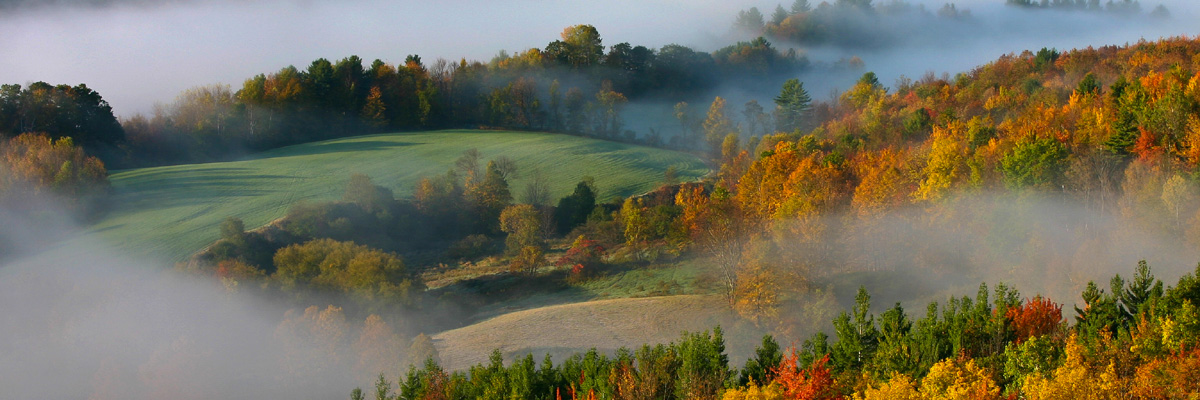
(1089, 85)
(779, 15)
(584, 47)
(856, 338)
(703, 367)
(750, 20)
(792, 106)
(760, 368)
(1035, 163)
(233, 230)
(573, 210)
(422, 351)
(800, 6)
(372, 198)
(896, 350)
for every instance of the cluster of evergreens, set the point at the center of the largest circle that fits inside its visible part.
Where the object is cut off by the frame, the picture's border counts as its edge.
(1138, 341)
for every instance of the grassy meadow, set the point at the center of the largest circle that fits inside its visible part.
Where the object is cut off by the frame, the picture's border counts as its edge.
(167, 213)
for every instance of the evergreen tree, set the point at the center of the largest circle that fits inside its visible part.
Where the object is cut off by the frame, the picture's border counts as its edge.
(792, 106)
(779, 15)
(760, 368)
(800, 6)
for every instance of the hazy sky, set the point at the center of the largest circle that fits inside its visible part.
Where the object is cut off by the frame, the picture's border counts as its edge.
(139, 52)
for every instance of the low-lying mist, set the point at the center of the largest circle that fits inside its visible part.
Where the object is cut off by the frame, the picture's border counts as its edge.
(1044, 245)
(85, 322)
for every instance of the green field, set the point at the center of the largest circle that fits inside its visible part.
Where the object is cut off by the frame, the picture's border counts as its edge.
(167, 213)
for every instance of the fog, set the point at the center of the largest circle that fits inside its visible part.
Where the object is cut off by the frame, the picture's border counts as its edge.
(140, 52)
(1040, 245)
(136, 54)
(85, 321)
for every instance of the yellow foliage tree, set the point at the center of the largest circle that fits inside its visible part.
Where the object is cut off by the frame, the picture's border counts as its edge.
(945, 166)
(899, 387)
(754, 392)
(958, 379)
(1074, 379)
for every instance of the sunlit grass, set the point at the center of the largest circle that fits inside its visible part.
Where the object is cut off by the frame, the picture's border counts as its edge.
(167, 213)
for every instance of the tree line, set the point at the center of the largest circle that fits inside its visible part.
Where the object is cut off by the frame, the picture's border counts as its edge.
(1137, 341)
(574, 85)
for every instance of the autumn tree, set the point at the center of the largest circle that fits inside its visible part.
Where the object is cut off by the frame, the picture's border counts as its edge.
(525, 241)
(378, 347)
(583, 45)
(718, 228)
(326, 264)
(375, 110)
(490, 198)
(815, 382)
(34, 164)
(59, 111)
(312, 342)
(611, 103)
(1039, 316)
(945, 166)
(716, 126)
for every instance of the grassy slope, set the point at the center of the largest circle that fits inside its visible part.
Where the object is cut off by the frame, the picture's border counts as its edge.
(167, 213)
(606, 325)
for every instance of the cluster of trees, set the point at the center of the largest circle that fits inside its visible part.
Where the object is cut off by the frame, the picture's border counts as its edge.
(35, 166)
(1119, 6)
(62, 111)
(845, 23)
(350, 246)
(573, 85)
(1110, 131)
(1113, 129)
(868, 24)
(1138, 341)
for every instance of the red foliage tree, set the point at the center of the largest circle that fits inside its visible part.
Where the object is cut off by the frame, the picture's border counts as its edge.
(813, 383)
(1037, 317)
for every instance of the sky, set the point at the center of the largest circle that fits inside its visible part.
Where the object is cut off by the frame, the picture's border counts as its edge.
(140, 52)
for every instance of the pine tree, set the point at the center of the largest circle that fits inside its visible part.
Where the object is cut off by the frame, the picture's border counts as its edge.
(792, 106)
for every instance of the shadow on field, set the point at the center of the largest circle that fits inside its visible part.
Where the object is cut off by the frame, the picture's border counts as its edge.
(334, 147)
(474, 299)
(172, 188)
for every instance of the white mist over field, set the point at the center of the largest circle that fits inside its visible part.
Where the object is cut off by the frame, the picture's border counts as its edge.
(86, 323)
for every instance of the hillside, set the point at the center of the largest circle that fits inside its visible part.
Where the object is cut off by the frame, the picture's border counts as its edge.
(170, 212)
(604, 324)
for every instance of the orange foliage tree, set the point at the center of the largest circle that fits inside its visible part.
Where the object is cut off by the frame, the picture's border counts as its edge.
(35, 163)
(1038, 316)
(812, 383)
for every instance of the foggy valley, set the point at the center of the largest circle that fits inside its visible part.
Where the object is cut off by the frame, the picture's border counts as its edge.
(205, 199)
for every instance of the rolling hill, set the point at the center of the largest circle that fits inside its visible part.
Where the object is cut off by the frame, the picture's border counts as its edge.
(607, 325)
(166, 213)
